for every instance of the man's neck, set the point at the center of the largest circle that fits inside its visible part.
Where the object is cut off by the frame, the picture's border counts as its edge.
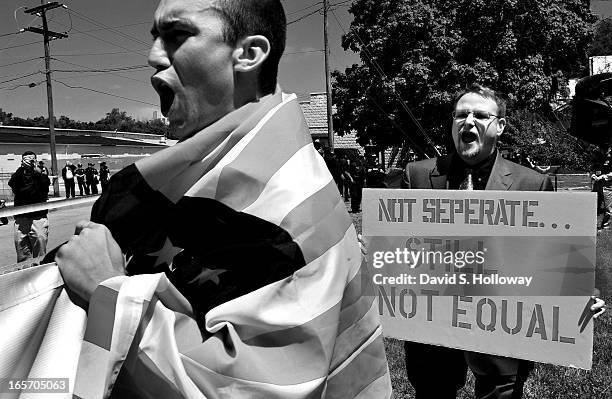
(480, 164)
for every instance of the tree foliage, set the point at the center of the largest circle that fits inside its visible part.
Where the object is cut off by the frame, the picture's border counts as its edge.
(602, 39)
(546, 142)
(427, 50)
(114, 120)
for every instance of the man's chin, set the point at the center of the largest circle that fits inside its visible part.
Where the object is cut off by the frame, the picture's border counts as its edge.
(469, 154)
(179, 130)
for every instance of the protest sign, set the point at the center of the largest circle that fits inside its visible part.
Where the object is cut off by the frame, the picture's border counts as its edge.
(502, 272)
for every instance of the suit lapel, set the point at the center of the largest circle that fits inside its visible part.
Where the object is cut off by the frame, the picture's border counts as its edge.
(501, 175)
(438, 176)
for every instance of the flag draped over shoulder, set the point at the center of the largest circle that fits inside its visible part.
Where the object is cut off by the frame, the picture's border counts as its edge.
(246, 275)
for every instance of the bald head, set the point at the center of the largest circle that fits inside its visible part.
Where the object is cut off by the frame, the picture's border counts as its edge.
(257, 17)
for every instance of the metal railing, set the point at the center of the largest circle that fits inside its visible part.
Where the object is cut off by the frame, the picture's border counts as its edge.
(49, 205)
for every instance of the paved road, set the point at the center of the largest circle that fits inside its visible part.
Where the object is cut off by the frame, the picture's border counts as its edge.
(61, 227)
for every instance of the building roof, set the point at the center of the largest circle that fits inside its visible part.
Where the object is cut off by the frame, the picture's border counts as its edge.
(43, 138)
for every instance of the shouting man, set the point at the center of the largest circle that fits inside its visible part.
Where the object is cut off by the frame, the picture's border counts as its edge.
(271, 302)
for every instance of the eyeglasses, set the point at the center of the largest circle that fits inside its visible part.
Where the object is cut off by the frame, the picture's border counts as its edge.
(478, 115)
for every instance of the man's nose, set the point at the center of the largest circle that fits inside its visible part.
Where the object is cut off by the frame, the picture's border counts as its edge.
(158, 56)
(469, 119)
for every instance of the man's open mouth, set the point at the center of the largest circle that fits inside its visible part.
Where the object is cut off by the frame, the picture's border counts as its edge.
(468, 136)
(166, 94)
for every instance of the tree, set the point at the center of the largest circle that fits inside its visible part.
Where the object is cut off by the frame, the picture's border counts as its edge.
(546, 142)
(116, 120)
(602, 39)
(427, 50)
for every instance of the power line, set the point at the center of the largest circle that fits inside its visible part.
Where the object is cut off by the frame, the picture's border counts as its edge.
(304, 52)
(118, 26)
(110, 28)
(117, 69)
(103, 92)
(110, 73)
(305, 8)
(30, 85)
(385, 78)
(19, 77)
(90, 54)
(19, 45)
(9, 34)
(394, 123)
(21, 62)
(330, 7)
(304, 16)
(109, 42)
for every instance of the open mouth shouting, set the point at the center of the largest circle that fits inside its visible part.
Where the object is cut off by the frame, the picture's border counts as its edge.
(468, 136)
(166, 94)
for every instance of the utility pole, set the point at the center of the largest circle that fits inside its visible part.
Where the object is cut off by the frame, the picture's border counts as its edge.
(330, 122)
(41, 11)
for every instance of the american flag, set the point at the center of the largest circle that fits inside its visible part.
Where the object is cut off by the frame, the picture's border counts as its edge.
(246, 278)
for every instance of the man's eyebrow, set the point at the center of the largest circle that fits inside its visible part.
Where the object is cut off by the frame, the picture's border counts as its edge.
(174, 22)
(170, 24)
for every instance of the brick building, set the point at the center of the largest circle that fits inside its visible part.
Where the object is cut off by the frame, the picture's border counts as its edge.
(315, 111)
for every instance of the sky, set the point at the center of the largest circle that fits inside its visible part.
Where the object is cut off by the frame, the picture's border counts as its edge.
(110, 34)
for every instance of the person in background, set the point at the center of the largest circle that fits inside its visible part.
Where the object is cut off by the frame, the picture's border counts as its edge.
(345, 175)
(375, 176)
(91, 178)
(43, 169)
(30, 186)
(68, 177)
(604, 183)
(104, 175)
(80, 176)
(3, 220)
(332, 165)
(358, 176)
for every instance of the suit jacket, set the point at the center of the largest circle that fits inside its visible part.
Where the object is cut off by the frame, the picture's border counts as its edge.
(505, 175)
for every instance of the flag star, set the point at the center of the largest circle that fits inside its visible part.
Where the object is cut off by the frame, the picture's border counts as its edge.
(166, 254)
(208, 274)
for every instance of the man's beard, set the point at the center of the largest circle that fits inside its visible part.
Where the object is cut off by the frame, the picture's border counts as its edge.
(469, 152)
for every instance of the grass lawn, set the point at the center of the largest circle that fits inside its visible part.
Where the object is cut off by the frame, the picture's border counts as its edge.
(546, 381)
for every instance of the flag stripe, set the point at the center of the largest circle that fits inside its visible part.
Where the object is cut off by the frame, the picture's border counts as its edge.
(357, 299)
(291, 362)
(285, 187)
(326, 233)
(357, 375)
(166, 357)
(312, 210)
(94, 363)
(101, 317)
(280, 148)
(175, 169)
(217, 385)
(206, 187)
(378, 389)
(355, 334)
(143, 379)
(294, 301)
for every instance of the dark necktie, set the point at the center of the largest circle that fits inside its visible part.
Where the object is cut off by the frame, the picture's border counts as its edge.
(467, 183)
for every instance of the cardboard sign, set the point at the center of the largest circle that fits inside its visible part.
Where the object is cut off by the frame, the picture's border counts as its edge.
(501, 272)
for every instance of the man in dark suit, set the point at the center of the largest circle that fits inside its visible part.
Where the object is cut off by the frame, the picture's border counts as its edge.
(478, 122)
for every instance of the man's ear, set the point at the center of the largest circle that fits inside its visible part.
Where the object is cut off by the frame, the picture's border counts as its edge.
(250, 53)
(501, 126)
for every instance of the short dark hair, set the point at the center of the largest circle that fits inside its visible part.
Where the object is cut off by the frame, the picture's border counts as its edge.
(485, 92)
(28, 153)
(257, 17)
